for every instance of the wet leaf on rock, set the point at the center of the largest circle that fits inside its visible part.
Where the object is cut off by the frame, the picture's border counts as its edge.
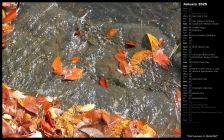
(103, 82)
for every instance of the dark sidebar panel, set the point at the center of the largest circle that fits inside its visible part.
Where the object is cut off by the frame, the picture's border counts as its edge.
(202, 70)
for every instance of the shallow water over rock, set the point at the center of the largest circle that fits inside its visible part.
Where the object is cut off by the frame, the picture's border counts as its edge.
(45, 30)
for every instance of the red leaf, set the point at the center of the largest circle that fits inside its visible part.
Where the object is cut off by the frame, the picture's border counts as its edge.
(130, 43)
(75, 60)
(46, 128)
(48, 118)
(176, 131)
(10, 16)
(103, 82)
(112, 32)
(77, 33)
(161, 58)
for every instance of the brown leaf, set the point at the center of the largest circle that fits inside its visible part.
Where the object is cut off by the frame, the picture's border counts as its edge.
(92, 132)
(106, 117)
(111, 33)
(29, 103)
(7, 129)
(48, 130)
(10, 16)
(75, 60)
(103, 82)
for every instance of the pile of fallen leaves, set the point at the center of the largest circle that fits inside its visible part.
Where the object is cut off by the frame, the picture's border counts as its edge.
(9, 13)
(39, 116)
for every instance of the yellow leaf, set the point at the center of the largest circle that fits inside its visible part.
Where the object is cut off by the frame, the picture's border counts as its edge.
(85, 108)
(153, 42)
(141, 55)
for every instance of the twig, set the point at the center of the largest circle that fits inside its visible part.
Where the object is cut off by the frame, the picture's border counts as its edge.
(173, 51)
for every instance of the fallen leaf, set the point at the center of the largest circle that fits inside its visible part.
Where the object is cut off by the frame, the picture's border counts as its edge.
(29, 103)
(79, 134)
(85, 108)
(7, 28)
(106, 117)
(92, 132)
(126, 133)
(139, 56)
(49, 118)
(73, 74)
(153, 42)
(111, 33)
(6, 128)
(161, 58)
(10, 16)
(125, 67)
(147, 131)
(75, 60)
(120, 55)
(103, 82)
(69, 128)
(77, 33)
(176, 131)
(57, 66)
(47, 129)
(130, 43)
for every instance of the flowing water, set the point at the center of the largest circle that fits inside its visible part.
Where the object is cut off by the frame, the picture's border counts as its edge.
(45, 30)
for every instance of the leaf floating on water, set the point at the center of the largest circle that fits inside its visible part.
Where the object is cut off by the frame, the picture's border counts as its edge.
(125, 67)
(75, 60)
(153, 42)
(161, 59)
(138, 57)
(178, 96)
(10, 16)
(130, 43)
(73, 74)
(120, 55)
(147, 131)
(57, 66)
(111, 33)
(103, 82)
